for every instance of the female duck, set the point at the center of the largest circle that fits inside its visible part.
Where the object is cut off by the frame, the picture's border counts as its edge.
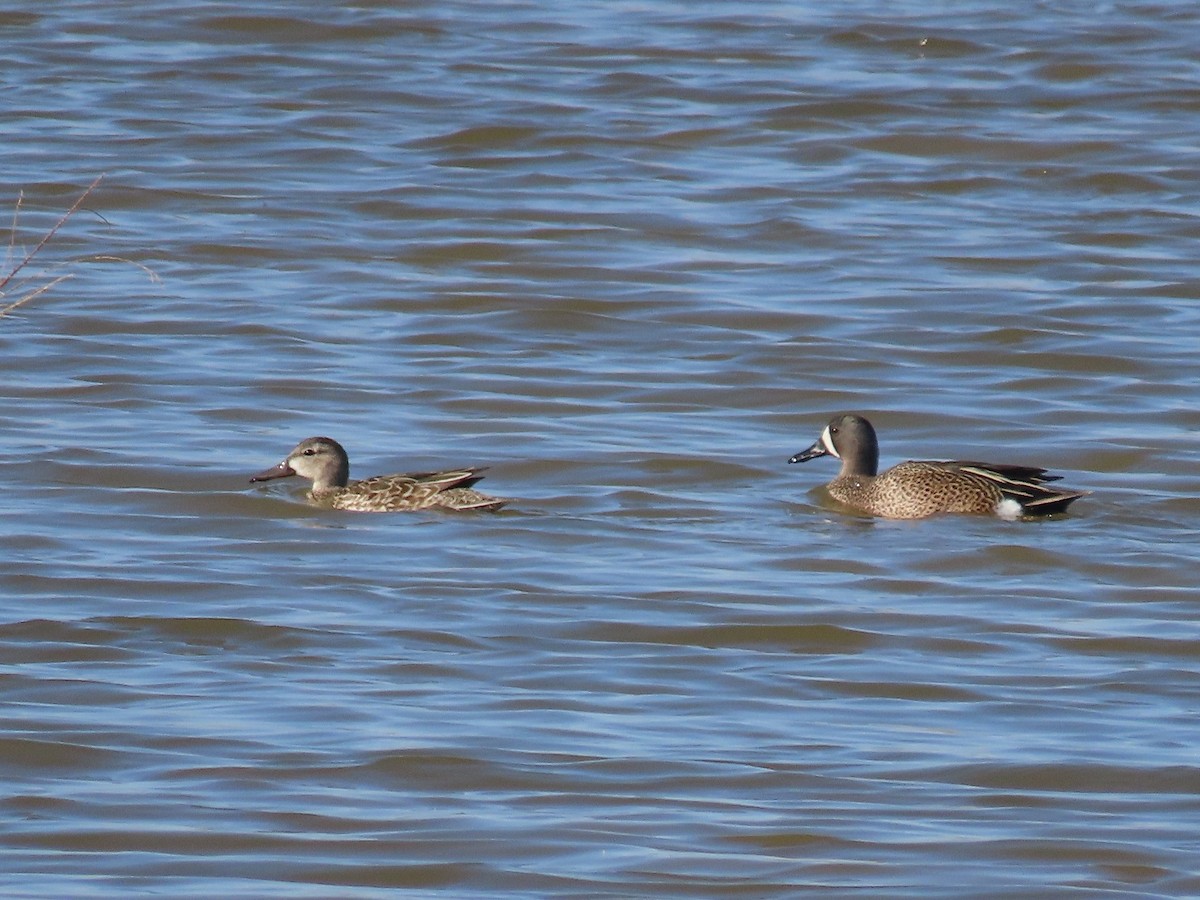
(324, 462)
(918, 488)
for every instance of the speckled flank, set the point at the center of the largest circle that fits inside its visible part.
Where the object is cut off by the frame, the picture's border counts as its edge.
(394, 493)
(915, 489)
(323, 461)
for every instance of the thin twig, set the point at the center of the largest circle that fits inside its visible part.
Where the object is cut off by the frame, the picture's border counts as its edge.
(150, 273)
(4, 311)
(59, 224)
(12, 235)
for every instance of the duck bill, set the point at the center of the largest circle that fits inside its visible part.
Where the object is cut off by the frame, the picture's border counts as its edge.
(817, 449)
(283, 470)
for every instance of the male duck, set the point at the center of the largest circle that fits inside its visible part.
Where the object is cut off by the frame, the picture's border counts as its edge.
(913, 489)
(323, 461)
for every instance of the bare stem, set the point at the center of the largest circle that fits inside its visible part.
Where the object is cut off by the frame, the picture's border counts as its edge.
(42, 243)
(5, 310)
(12, 235)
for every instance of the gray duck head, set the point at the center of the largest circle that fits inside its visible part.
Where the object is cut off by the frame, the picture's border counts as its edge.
(321, 460)
(850, 438)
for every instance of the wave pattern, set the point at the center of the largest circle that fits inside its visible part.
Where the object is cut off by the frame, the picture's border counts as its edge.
(631, 256)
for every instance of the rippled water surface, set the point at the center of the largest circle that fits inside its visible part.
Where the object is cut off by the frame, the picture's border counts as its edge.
(632, 256)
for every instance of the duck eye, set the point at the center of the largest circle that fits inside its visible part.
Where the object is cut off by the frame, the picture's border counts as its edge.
(309, 451)
(833, 430)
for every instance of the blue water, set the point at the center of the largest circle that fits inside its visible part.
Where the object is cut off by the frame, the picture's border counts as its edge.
(632, 257)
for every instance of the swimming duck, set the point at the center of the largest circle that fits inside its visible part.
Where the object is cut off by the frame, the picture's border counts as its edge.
(324, 462)
(918, 488)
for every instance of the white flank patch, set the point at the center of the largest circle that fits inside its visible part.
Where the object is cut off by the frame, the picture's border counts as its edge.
(827, 441)
(1009, 509)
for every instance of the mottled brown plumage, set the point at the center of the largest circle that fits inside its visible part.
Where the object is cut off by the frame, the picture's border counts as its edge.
(914, 489)
(324, 462)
